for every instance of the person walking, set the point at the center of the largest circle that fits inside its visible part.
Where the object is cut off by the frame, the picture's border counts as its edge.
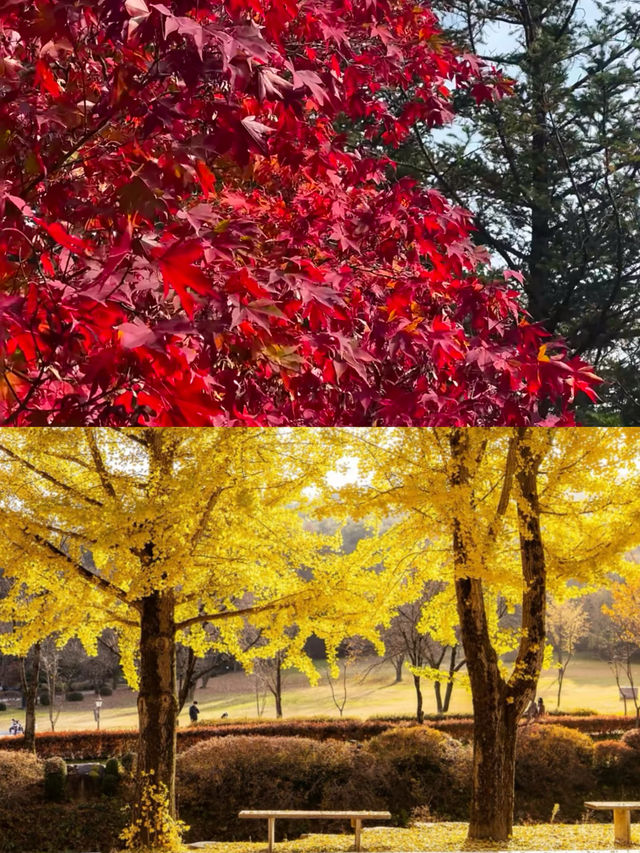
(194, 711)
(541, 708)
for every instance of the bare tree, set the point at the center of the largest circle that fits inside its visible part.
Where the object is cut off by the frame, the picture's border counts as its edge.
(405, 639)
(397, 661)
(567, 624)
(261, 695)
(269, 671)
(620, 658)
(190, 668)
(50, 661)
(624, 638)
(351, 650)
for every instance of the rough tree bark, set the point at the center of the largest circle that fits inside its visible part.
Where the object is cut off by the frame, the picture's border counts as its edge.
(499, 702)
(157, 706)
(30, 689)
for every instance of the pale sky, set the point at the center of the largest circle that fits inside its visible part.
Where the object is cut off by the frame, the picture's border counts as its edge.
(498, 39)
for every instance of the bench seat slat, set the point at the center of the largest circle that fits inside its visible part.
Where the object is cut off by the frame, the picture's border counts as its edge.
(294, 813)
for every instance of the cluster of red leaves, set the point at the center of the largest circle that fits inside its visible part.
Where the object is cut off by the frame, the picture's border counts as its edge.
(186, 237)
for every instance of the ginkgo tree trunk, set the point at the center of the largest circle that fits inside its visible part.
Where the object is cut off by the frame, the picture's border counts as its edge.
(503, 516)
(498, 701)
(166, 535)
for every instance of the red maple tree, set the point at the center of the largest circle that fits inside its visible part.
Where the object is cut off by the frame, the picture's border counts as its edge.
(187, 237)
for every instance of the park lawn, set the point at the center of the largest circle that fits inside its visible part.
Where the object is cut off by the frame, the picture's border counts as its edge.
(442, 837)
(371, 691)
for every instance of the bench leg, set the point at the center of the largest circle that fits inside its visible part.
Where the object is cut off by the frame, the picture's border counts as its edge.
(271, 832)
(357, 825)
(622, 826)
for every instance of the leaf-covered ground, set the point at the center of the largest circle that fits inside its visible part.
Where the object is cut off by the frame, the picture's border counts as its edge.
(441, 837)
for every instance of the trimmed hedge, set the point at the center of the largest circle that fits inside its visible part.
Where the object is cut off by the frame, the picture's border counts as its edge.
(632, 738)
(52, 827)
(74, 696)
(617, 767)
(218, 778)
(344, 728)
(424, 769)
(416, 770)
(409, 770)
(554, 765)
(21, 775)
(29, 822)
(55, 779)
(103, 744)
(399, 770)
(80, 745)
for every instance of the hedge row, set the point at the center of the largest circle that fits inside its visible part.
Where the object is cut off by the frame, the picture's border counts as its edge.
(102, 744)
(411, 771)
(29, 822)
(80, 745)
(398, 770)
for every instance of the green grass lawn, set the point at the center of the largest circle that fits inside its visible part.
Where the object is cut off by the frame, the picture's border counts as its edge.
(371, 691)
(443, 837)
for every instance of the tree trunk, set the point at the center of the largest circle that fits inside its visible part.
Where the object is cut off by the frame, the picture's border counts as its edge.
(452, 671)
(157, 716)
(398, 664)
(494, 759)
(188, 682)
(442, 704)
(278, 688)
(447, 697)
(538, 283)
(419, 710)
(494, 723)
(437, 689)
(497, 704)
(30, 691)
(560, 678)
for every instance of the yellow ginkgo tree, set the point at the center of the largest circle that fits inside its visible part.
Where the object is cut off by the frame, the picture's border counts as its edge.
(504, 516)
(168, 535)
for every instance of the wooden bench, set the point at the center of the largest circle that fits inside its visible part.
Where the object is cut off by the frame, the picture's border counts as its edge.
(356, 819)
(621, 818)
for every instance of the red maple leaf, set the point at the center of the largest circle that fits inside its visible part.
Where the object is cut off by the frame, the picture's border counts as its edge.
(178, 271)
(189, 239)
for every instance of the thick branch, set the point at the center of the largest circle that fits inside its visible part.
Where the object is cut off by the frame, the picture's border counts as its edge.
(49, 478)
(84, 573)
(531, 650)
(98, 461)
(481, 657)
(285, 601)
